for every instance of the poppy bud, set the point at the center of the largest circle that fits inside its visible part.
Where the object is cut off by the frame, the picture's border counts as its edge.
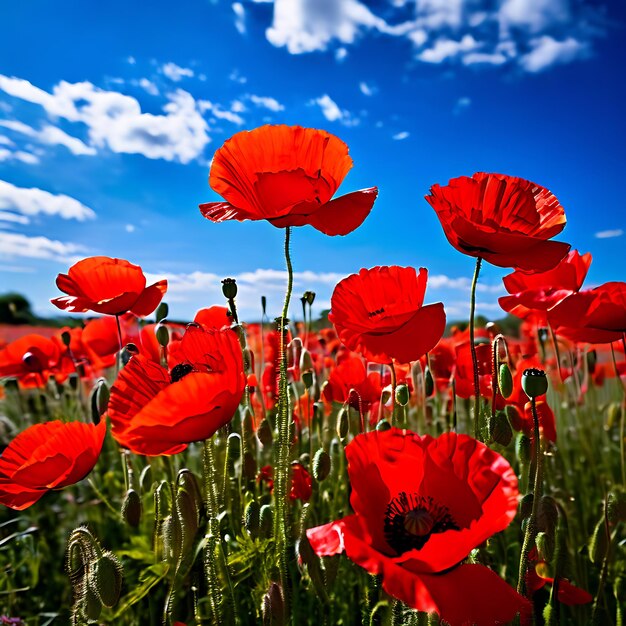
(598, 544)
(306, 363)
(548, 514)
(264, 305)
(266, 521)
(274, 606)
(429, 383)
(248, 469)
(131, 508)
(592, 359)
(10, 384)
(613, 415)
(545, 546)
(32, 362)
(500, 429)
(252, 518)
(66, 338)
(229, 288)
(534, 382)
(505, 380)
(321, 465)
(107, 578)
(264, 433)
(308, 378)
(343, 423)
(233, 446)
(162, 334)
(248, 360)
(514, 417)
(187, 510)
(523, 449)
(73, 380)
(385, 395)
(616, 507)
(127, 352)
(92, 607)
(402, 395)
(99, 400)
(162, 311)
(305, 459)
(383, 425)
(526, 505)
(145, 479)
(309, 297)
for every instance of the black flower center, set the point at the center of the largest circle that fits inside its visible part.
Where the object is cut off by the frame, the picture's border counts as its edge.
(376, 312)
(411, 519)
(180, 371)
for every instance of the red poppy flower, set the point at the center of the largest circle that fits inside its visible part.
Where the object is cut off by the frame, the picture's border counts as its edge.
(30, 358)
(464, 372)
(594, 315)
(503, 219)
(286, 175)
(213, 317)
(543, 290)
(420, 506)
(301, 487)
(106, 285)
(379, 313)
(350, 382)
(47, 456)
(154, 411)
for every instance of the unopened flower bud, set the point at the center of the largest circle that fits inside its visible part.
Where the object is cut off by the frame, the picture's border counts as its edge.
(306, 363)
(548, 514)
(505, 380)
(523, 448)
(308, 378)
(99, 400)
(429, 383)
(616, 507)
(534, 382)
(264, 305)
(310, 297)
(598, 544)
(343, 423)
(252, 518)
(162, 334)
(321, 465)
(264, 433)
(145, 479)
(383, 425)
(274, 606)
(162, 311)
(402, 394)
(73, 380)
(107, 578)
(229, 288)
(131, 508)
(66, 338)
(545, 545)
(526, 505)
(92, 606)
(500, 429)
(266, 521)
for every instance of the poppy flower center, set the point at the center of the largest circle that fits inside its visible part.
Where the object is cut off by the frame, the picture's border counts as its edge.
(180, 371)
(411, 519)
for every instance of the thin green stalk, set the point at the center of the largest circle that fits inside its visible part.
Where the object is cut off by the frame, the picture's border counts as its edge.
(531, 528)
(281, 521)
(473, 351)
(622, 419)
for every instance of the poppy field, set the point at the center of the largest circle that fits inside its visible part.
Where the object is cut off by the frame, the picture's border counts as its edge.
(381, 465)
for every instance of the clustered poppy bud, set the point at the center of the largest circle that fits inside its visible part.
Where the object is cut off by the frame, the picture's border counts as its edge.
(534, 382)
(343, 423)
(274, 606)
(383, 425)
(229, 288)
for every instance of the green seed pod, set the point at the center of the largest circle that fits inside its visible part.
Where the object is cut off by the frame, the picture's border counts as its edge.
(526, 505)
(523, 448)
(500, 429)
(162, 311)
(402, 395)
(598, 544)
(505, 380)
(534, 382)
(310, 297)
(343, 423)
(162, 335)
(107, 578)
(264, 433)
(266, 521)
(616, 507)
(429, 383)
(131, 508)
(383, 425)
(252, 521)
(92, 606)
(229, 288)
(321, 465)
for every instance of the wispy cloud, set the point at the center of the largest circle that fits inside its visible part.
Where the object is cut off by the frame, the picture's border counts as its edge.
(401, 135)
(333, 113)
(240, 17)
(50, 135)
(23, 203)
(15, 245)
(608, 234)
(267, 102)
(175, 72)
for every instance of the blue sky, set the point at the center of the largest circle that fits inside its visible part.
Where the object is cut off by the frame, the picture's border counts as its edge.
(110, 114)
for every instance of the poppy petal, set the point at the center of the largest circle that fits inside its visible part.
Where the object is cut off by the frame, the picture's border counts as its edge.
(149, 299)
(344, 214)
(222, 211)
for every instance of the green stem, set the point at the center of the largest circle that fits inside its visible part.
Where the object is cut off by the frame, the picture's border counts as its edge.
(622, 419)
(394, 385)
(473, 351)
(531, 528)
(281, 533)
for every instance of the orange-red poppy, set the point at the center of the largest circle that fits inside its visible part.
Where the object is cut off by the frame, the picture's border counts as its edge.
(286, 175)
(505, 220)
(156, 411)
(106, 285)
(30, 358)
(420, 506)
(47, 456)
(379, 313)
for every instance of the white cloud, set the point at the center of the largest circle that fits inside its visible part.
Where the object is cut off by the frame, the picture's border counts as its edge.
(240, 17)
(367, 90)
(115, 120)
(533, 34)
(18, 155)
(129, 228)
(149, 87)
(220, 113)
(441, 281)
(14, 245)
(607, 234)
(332, 112)
(401, 135)
(236, 77)
(175, 72)
(24, 202)
(546, 52)
(50, 135)
(267, 102)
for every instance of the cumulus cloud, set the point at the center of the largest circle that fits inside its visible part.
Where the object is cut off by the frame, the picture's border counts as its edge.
(532, 34)
(220, 113)
(333, 113)
(175, 72)
(50, 135)
(15, 245)
(266, 102)
(23, 203)
(115, 120)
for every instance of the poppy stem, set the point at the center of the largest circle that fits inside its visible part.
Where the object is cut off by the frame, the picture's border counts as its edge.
(622, 429)
(531, 528)
(394, 385)
(473, 350)
(281, 533)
